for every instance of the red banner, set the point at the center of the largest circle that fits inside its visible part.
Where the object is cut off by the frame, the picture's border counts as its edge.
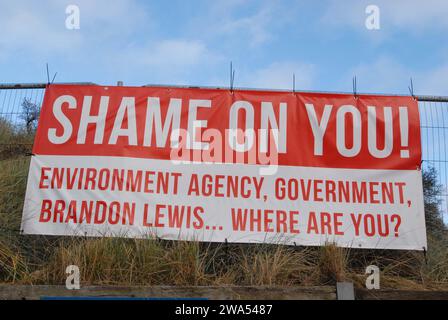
(314, 129)
(215, 165)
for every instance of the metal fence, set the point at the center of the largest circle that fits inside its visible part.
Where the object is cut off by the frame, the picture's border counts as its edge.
(433, 118)
(12, 98)
(434, 133)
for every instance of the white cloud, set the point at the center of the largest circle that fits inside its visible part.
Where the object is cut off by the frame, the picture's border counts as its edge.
(173, 53)
(386, 75)
(279, 75)
(28, 27)
(410, 15)
(416, 14)
(433, 81)
(254, 22)
(117, 39)
(166, 61)
(36, 28)
(255, 25)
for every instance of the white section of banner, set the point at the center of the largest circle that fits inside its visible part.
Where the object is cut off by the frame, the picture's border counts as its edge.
(325, 217)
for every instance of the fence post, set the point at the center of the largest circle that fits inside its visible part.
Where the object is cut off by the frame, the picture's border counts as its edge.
(345, 291)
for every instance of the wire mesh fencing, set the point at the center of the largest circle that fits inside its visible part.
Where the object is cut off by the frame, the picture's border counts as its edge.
(20, 104)
(13, 101)
(434, 133)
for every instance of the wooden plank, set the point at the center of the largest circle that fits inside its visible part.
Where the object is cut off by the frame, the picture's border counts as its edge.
(26, 292)
(364, 294)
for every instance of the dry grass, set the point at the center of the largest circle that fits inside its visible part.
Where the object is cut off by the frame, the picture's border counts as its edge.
(128, 262)
(272, 265)
(117, 261)
(333, 264)
(14, 141)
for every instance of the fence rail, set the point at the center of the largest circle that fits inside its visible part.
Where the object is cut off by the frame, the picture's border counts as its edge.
(433, 121)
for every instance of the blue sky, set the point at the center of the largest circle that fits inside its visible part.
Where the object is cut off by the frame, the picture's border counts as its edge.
(325, 43)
